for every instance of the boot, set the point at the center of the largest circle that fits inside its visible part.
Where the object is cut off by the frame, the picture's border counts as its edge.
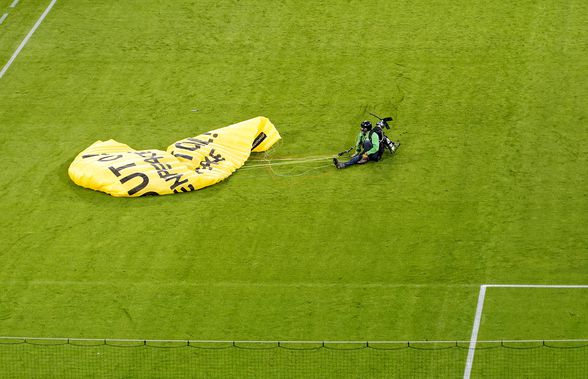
(337, 164)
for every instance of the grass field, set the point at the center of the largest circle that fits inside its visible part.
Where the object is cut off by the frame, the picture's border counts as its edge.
(489, 185)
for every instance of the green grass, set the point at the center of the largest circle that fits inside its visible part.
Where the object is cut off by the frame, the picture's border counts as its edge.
(16, 25)
(489, 185)
(513, 313)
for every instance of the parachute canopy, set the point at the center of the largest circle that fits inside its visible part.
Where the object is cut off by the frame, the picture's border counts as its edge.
(187, 165)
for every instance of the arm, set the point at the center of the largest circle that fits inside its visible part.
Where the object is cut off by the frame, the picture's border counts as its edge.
(358, 144)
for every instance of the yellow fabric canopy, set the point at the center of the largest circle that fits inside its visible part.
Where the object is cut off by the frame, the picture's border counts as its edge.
(187, 165)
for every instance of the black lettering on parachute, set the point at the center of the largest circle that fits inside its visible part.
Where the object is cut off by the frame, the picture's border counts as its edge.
(116, 170)
(109, 158)
(103, 157)
(193, 144)
(144, 182)
(160, 167)
(183, 189)
(176, 178)
(258, 140)
(179, 155)
(207, 163)
(190, 144)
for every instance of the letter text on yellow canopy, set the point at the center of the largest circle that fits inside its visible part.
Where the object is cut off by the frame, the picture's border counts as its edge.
(187, 165)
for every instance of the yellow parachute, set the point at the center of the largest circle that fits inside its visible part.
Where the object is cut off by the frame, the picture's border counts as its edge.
(187, 165)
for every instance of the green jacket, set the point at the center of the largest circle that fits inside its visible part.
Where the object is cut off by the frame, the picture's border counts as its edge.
(361, 137)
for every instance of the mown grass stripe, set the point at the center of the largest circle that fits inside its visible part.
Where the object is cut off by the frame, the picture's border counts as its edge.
(27, 38)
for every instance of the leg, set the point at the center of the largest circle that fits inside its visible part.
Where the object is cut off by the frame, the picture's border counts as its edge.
(354, 160)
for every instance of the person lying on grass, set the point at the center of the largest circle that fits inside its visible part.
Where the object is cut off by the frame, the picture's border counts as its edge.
(367, 146)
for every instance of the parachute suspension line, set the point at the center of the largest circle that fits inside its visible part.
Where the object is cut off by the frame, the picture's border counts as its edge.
(268, 153)
(267, 162)
(299, 174)
(286, 163)
(292, 159)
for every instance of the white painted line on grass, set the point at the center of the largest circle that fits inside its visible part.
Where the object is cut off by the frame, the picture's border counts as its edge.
(479, 308)
(475, 329)
(14, 4)
(26, 39)
(231, 284)
(536, 285)
(3, 17)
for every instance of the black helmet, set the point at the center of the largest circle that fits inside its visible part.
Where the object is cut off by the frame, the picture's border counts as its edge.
(366, 125)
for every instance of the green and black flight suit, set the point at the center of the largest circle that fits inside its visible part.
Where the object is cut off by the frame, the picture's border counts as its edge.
(367, 148)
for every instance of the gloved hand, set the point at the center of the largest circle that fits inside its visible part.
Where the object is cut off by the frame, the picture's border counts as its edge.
(364, 157)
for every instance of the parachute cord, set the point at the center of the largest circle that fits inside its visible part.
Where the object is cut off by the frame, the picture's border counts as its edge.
(295, 161)
(299, 174)
(266, 161)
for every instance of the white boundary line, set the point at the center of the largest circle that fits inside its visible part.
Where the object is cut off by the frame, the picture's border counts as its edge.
(14, 3)
(231, 284)
(26, 39)
(536, 285)
(3, 17)
(475, 329)
(479, 308)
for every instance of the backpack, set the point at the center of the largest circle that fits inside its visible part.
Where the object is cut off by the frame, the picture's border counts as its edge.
(385, 142)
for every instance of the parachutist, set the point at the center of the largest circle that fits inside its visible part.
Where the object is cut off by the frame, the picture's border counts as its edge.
(370, 144)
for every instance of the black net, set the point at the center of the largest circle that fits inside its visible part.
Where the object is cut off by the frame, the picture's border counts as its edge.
(531, 360)
(151, 359)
